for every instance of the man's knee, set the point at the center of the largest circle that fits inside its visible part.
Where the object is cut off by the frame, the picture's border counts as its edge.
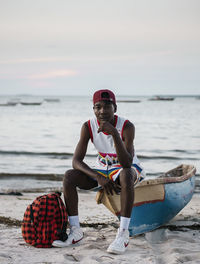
(127, 177)
(76, 178)
(69, 177)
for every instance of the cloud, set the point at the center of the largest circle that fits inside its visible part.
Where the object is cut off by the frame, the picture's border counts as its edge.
(35, 60)
(134, 56)
(52, 74)
(37, 76)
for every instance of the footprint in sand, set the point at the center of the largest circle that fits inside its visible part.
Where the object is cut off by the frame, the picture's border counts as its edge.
(71, 258)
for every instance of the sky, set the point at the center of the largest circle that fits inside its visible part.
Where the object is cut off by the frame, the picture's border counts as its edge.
(133, 47)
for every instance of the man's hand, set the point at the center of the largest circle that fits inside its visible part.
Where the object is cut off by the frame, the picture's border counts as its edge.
(106, 127)
(108, 185)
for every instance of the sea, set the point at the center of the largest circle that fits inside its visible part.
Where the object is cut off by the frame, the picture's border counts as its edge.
(38, 136)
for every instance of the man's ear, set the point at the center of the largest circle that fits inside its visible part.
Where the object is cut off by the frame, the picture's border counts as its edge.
(115, 108)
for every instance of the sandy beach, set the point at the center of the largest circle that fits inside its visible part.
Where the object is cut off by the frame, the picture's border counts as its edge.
(176, 242)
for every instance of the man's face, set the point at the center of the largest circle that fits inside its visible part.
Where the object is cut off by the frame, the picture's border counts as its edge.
(104, 111)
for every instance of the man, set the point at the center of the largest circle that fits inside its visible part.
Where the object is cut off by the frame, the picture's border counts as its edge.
(117, 167)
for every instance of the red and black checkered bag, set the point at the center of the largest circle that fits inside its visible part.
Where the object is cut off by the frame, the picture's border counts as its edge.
(45, 220)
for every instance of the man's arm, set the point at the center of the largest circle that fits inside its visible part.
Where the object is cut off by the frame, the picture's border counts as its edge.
(80, 153)
(124, 149)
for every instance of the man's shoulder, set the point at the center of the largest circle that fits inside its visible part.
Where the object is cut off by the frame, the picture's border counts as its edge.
(128, 125)
(126, 121)
(85, 131)
(85, 124)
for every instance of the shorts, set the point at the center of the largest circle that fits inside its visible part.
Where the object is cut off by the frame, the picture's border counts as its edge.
(112, 172)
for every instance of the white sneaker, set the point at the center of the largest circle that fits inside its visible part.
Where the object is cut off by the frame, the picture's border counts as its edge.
(75, 235)
(119, 245)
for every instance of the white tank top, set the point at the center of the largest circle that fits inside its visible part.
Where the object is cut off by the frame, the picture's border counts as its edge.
(104, 143)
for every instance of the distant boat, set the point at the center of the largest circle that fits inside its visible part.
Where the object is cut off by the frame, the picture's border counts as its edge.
(30, 103)
(52, 100)
(157, 200)
(14, 100)
(9, 104)
(159, 98)
(128, 101)
(12, 103)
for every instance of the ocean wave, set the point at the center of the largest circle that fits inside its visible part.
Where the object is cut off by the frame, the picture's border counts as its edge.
(31, 153)
(13, 152)
(185, 151)
(35, 182)
(68, 155)
(37, 176)
(57, 176)
(166, 157)
(161, 151)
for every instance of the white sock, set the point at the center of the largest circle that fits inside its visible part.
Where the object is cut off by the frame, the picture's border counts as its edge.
(74, 220)
(124, 223)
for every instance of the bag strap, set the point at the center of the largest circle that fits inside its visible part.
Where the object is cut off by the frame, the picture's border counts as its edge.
(31, 213)
(64, 235)
(46, 211)
(61, 209)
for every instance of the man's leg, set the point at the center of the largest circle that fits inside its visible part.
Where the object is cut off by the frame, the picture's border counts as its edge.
(127, 178)
(72, 180)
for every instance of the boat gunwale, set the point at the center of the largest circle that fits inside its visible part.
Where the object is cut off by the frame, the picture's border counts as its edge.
(164, 179)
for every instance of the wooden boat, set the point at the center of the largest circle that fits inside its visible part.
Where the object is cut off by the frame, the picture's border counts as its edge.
(9, 104)
(12, 103)
(159, 98)
(128, 101)
(30, 103)
(52, 100)
(157, 200)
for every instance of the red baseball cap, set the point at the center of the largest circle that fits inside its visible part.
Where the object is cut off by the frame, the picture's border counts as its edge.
(104, 95)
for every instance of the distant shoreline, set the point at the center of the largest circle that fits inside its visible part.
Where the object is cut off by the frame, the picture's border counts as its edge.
(88, 96)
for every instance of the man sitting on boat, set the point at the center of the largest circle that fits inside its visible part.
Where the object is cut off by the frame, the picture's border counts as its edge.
(117, 167)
